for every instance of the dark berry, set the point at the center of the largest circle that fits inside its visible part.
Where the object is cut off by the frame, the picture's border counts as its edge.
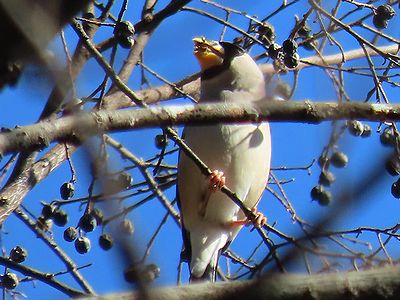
(160, 141)
(18, 254)
(98, 215)
(387, 137)
(125, 180)
(385, 11)
(339, 159)
(48, 211)
(126, 227)
(67, 190)
(392, 165)
(355, 127)
(396, 189)
(379, 22)
(266, 33)
(325, 199)
(126, 42)
(318, 193)
(289, 47)
(106, 241)
(367, 131)
(273, 50)
(82, 245)
(9, 280)
(60, 217)
(123, 29)
(326, 178)
(123, 33)
(70, 234)
(291, 61)
(87, 223)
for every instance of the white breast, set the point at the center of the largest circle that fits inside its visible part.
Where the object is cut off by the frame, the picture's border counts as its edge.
(242, 152)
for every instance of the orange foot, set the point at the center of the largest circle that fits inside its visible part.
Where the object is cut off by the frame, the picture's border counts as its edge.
(259, 221)
(217, 180)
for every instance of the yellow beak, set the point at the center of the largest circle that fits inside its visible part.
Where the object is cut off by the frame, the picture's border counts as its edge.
(209, 53)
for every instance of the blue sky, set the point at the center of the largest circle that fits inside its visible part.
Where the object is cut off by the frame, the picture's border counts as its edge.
(169, 52)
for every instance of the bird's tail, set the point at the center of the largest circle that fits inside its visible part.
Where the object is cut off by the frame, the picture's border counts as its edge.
(210, 273)
(206, 248)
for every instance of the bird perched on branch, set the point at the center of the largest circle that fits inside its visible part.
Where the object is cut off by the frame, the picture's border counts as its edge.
(238, 154)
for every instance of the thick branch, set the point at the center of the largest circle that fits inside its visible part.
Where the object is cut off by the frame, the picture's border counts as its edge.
(378, 284)
(92, 123)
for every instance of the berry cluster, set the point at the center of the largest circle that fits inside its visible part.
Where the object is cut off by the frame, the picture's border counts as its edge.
(123, 33)
(88, 223)
(356, 128)
(52, 213)
(319, 193)
(389, 138)
(10, 280)
(160, 141)
(337, 159)
(266, 34)
(287, 53)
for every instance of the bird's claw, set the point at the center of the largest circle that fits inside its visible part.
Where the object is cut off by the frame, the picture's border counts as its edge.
(217, 180)
(259, 221)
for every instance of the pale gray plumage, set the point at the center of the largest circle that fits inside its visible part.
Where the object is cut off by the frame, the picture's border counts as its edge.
(242, 152)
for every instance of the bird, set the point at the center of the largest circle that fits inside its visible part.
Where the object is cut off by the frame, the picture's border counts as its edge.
(239, 156)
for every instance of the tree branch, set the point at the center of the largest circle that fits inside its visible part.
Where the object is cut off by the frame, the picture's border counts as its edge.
(80, 126)
(383, 283)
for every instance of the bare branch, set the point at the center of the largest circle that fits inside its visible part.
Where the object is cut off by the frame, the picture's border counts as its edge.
(92, 123)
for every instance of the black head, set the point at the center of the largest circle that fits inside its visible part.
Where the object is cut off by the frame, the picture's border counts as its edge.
(230, 52)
